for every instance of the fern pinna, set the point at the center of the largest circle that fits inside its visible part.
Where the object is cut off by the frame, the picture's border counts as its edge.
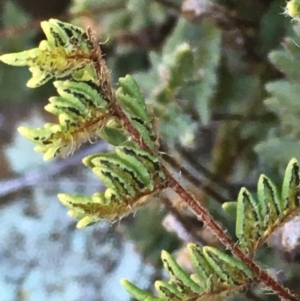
(88, 107)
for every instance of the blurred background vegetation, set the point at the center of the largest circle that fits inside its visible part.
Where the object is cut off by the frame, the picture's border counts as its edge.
(222, 79)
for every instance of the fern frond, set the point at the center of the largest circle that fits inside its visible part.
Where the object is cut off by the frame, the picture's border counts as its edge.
(113, 132)
(86, 110)
(131, 175)
(81, 112)
(217, 273)
(86, 104)
(84, 114)
(133, 104)
(257, 218)
(66, 50)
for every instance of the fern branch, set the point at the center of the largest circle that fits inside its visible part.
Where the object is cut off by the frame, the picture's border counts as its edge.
(217, 263)
(135, 169)
(261, 276)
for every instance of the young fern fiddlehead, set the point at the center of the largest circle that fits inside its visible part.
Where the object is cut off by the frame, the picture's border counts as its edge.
(87, 106)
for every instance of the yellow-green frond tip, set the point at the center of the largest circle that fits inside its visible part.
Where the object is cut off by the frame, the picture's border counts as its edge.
(293, 9)
(137, 293)
(14, 59)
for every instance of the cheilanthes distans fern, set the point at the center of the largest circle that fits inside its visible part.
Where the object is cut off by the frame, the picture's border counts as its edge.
(87, 107)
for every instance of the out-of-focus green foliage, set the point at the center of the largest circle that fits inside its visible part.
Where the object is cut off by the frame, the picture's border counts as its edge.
(284, 102)
(183, 79)
(12, 15)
